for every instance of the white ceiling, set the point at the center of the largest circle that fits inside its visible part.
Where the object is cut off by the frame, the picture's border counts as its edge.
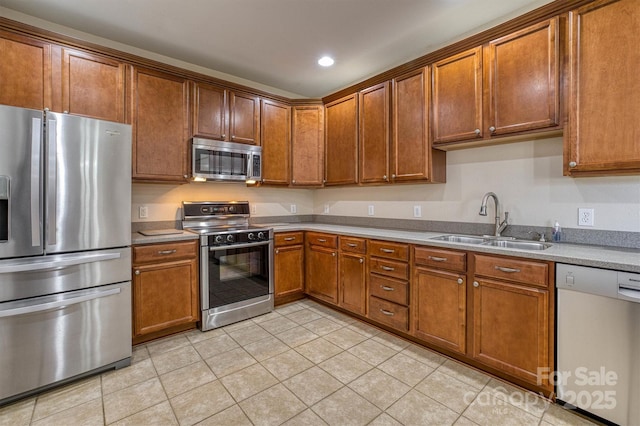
(278, 42)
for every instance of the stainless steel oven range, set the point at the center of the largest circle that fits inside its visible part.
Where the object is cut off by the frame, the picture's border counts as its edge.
(236, 261)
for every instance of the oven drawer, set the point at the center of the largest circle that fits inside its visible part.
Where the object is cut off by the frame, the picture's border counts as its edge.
(389, 313)
(149, 253)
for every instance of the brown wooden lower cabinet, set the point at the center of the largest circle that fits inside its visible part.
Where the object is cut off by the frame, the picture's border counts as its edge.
(440, 308)
(288, 267)
(165, 289)
(321, 272)
(352, 284)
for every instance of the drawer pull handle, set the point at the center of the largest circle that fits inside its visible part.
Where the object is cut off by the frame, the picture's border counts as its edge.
(387, 313)
(387, 268)
(437, 259)
(384, 250)
(387, 288)
(322, 240)
(167, 251)
(290, 238)
(508, 270)
(352, 244)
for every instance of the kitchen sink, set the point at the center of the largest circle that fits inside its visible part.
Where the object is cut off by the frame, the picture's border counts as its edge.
(466, 239)
(504, 242)
(521, 245)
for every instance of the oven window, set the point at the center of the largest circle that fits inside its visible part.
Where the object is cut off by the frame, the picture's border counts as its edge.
(237, 274)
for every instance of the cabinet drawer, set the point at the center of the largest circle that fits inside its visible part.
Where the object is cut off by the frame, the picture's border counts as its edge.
(164, 252)
(389, 250)
(389, 313)
(323, 240)
(389, 268)
(523, 271)
(288, 238)
(441, 259)
(389, 289)
(353, 245)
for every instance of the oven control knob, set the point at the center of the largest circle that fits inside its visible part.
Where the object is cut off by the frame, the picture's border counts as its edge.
(230, 238)
(261, 236)
(218, 239)
(251, 236)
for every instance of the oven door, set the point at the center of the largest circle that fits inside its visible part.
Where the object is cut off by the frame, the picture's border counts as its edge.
(238, 279)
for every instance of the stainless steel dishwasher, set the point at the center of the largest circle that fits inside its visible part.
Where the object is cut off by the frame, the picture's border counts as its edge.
(598, 342)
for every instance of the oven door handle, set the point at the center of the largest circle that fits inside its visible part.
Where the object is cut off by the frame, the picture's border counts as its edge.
(237, 246)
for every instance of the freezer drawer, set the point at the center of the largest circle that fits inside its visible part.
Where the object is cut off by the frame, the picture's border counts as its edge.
(53, 338)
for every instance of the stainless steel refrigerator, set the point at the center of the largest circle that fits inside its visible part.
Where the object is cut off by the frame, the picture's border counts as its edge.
(65, 260)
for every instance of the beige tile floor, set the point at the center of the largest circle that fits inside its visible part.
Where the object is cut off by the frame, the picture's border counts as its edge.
(303, 364)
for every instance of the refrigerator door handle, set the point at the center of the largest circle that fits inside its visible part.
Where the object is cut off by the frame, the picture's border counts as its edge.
(53, 264)
(36, 139)
(39, 307)
(52, 190)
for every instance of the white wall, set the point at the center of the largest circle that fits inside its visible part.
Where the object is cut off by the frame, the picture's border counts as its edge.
(163, 201)
(526, 176)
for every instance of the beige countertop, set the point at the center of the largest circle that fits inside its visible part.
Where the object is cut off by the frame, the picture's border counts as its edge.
(599, 257)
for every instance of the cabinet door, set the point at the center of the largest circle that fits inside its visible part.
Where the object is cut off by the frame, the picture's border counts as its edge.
(210, 111)
(160, 127)
(523, 80)
(604, 100)
(374, 134)
(164, 295)
(410, 142)
(321, 277)
(511, 328)
(353, 294)
(289, 270)
(440, 309)
(457, 97)
(275, 123)
(307, 146)
(25, 72)
(341, 144)
(93, 86)
(244, 118)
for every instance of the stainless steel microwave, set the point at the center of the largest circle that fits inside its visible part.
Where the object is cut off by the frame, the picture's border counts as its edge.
(225, 161)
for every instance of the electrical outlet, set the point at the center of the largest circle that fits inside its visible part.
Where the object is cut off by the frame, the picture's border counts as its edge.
(585, 217)
(143, 212)
(417, 211)
(294, 209)
(326, 209)
(253, 209)
(371, 211)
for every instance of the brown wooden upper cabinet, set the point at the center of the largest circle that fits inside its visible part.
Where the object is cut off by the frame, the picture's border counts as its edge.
(92, 85)
(276, 142)
(510, 85)
(604, 101)
(341, 141)
(225, 115)
(25, 72)
(160, 118)
(307, 146)
(373, 104)
(412, 158)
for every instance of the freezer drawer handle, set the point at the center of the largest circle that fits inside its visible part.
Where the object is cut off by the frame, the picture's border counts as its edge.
(57, 264)
(509, 270)
(57, 304)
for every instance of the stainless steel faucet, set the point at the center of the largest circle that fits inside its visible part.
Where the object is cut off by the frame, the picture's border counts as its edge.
(500, 226)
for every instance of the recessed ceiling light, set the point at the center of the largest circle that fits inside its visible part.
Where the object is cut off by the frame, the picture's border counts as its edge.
(326, 61)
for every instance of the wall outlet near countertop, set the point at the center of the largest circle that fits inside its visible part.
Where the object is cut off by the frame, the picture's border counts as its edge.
(294, 209)
(326, 209)
(417, 211)
(371, 211)
(143, 212)
(585, 217)
(253, 209)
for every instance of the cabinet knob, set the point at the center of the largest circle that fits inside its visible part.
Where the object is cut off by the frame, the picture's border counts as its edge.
(393, 176)
(492, 129)
(476, 284)
(361, 260)
(293, 181)
(572, 164)
(460, 280)
(477, 132)
(324, 181)
(333, 254)
(185, 176)
(137, 272)
(385, 177)
(223, 136)
(46, 109)
(277, 251)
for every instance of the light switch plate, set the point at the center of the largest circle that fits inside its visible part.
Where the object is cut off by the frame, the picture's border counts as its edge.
(326, 209)
(294, 209)
(143, 212)
(417, 211)
(371, 211)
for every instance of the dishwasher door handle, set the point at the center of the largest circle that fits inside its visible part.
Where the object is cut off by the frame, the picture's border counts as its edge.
(629, 294)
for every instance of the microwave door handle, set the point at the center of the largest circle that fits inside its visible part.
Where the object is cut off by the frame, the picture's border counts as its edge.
(36, 140)
(250, 166)
(52, 194)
